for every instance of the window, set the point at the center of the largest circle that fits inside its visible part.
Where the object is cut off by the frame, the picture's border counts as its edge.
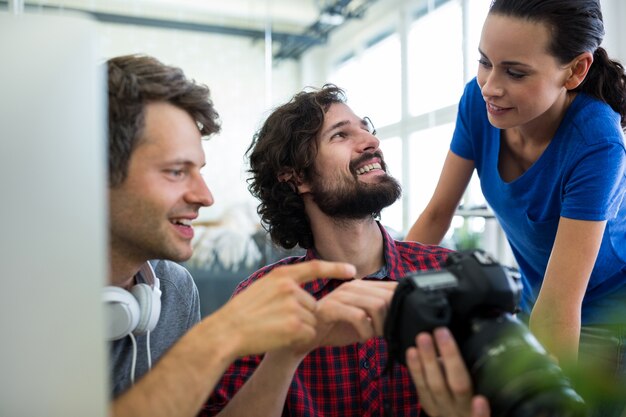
(391, 216)
(441, 42)
(435, 58)
(369, 94)
(428, 149)
(476, 13)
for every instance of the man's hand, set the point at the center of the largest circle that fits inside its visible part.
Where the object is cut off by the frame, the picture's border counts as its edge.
(480, 407)
(441, 377)
(275, 312)
(352, 313)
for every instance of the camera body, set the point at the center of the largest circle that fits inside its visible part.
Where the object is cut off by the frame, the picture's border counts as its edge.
(475, 297)
(473, 284)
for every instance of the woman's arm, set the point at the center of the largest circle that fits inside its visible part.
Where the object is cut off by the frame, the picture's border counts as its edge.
(556, 316)
(433, 223)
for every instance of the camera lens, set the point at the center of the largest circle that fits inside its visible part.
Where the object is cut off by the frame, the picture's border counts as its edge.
(511, 368)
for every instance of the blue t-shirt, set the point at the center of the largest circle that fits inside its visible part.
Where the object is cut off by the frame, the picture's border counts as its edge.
(580, 175)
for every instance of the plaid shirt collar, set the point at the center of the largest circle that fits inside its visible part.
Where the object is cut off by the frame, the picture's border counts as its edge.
(392, 257)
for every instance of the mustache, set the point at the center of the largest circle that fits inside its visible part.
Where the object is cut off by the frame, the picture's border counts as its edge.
(366, 156)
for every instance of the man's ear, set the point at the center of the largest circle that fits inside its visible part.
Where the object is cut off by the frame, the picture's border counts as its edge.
(285, 176)
(293, 179)
(579, 67)
(302, 186)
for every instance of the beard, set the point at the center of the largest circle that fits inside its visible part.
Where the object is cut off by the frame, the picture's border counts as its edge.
(350, 199)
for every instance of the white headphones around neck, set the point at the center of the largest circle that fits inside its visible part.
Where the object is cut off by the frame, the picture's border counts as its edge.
(136, 311)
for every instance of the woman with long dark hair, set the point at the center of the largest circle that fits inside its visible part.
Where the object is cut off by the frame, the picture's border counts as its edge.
(542, 123)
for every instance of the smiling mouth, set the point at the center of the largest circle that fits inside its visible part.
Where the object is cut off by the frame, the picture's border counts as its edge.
(367, 168)
(181, 222)
(494, 108)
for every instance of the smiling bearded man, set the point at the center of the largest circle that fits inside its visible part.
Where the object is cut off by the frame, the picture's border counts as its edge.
(321, 178)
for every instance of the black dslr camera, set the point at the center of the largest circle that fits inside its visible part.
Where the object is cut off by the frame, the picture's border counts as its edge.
(474, 296)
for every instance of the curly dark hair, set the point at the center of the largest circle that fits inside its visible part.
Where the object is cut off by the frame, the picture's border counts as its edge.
(133, 82)
(286, 143)
(576, 27)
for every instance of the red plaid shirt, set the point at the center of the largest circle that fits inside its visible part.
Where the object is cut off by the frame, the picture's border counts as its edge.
(349, 380)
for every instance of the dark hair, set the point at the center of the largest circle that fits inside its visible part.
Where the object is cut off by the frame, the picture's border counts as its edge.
(576, 27)
(286, 143)
(133, 82)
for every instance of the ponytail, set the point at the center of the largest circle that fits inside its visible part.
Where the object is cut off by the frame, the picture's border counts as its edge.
(606, 81)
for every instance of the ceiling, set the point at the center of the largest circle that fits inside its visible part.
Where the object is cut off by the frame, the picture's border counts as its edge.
(296, 25)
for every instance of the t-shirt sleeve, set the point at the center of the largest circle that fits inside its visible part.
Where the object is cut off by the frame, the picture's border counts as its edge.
(595, 189)
(194, 313)
(462, 144)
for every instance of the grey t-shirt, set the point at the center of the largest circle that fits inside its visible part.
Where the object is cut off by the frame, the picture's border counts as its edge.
(180, 310)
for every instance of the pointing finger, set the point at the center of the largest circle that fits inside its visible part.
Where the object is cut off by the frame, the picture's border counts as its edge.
(312, 270)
